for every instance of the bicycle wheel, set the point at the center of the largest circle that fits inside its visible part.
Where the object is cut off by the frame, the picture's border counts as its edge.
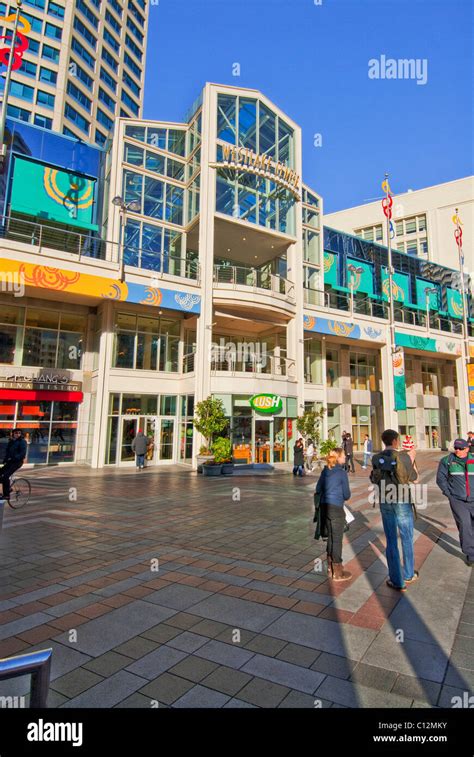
(20, 493)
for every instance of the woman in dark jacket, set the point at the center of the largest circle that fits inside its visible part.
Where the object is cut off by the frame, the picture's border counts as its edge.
(333, 489)
(298, 459)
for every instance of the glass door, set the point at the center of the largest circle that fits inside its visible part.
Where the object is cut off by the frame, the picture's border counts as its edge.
(128, 433)
(167, 438)
(263, 440)
(151, 430)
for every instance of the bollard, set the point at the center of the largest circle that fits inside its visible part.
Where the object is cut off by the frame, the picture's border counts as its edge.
(36, 664)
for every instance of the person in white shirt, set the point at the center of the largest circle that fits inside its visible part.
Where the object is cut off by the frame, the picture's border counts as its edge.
(367, 451)
(309, 454)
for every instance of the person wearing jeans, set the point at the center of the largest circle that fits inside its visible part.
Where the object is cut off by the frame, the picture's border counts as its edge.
(394, 468)
(398, 519)
(367, 451)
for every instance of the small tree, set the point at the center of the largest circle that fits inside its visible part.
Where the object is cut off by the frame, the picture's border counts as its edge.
(310, 425)
(327, 446)
(210, 419)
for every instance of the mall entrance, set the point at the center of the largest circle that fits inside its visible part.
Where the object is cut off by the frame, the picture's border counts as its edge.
(160, 433)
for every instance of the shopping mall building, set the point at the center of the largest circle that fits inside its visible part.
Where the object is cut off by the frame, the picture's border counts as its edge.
(212, 275)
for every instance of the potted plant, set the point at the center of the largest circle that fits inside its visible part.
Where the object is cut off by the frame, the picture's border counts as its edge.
(222, 451)
(209, 420)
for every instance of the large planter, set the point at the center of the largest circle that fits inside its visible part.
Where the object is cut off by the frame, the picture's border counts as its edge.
(201, 459)
(228, 469)
(212, 470)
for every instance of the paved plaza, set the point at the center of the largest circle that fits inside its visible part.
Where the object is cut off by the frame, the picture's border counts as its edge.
(164, 588)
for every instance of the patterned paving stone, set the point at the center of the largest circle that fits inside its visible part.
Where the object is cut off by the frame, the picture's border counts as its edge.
(200, 697)
(152, 665)
(109, 692)
(194, 668)
(263, 694)
(167, 688)
(104, 633)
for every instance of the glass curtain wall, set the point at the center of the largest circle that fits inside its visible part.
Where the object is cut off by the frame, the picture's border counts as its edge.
(246, 122)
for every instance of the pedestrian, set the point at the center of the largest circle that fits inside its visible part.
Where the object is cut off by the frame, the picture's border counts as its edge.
(333, 490)
(409, 447)
(349, 451)
(367, 451)
(470, 439)
(309, 454)
(139, 446)
(435, 438)
(392, 472)
(298, 459)
(455, 478)
(15, 454)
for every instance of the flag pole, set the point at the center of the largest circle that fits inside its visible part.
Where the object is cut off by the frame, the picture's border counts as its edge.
(6, 91)
(390, 267)
(458, 235)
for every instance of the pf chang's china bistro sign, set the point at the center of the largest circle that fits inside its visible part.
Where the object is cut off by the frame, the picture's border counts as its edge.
(268, 404)
(243, 158)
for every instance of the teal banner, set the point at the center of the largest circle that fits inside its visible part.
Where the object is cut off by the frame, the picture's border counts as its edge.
(360, 276)
(399, 382)
(330, 268)
(421, 292)
(400, 286)
(51, 194)
(455, 307)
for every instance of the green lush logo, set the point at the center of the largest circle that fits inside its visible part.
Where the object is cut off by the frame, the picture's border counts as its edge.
(266, 403)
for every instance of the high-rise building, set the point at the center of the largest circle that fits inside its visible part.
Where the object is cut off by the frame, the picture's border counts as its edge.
(84, 66)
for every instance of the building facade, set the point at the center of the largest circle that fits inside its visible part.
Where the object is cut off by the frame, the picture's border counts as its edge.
(422, 221)
(214, 274)
(84, 65)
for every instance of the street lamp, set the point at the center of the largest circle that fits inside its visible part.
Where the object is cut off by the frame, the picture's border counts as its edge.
(428, 291)
(6, 90)
(134, 206)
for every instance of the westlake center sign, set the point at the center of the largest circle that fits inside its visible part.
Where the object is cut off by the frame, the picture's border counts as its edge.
(244, 158)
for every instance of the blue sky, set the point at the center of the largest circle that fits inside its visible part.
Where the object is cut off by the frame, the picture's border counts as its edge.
(312, 61)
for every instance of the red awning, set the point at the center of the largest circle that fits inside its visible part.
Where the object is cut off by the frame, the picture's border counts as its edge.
(33, 394)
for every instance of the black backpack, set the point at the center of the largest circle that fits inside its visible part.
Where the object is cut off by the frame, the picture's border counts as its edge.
(384, 468)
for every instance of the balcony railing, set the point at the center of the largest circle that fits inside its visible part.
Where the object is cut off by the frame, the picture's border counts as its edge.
(275, 366)
(53, 237)
(188, 362)
(44, 235)
(242, 276)
(361, 305)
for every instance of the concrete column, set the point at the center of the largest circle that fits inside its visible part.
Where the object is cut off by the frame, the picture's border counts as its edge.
(105, 364)
(389, 414)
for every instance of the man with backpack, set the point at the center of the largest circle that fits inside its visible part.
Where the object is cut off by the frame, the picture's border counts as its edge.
(455, 478)
(392, 472)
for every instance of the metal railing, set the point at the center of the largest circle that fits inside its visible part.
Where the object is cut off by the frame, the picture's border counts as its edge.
(188, 362)
(35, 664)
(53, 237)
(361, 305)
(45, 235)
(255, 278)
(270, 365)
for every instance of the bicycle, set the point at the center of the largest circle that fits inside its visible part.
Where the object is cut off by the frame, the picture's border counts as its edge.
(20, 492)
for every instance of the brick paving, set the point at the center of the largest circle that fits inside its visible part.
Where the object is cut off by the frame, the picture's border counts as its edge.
(166, 588)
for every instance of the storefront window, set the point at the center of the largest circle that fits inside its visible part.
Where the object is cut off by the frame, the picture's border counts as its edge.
(334, 424)
(332, 368)
(407, 423)
(143, 343)
(312, 361)
(362, 370)
(49, 429)
(361, 425)
(429, 378)
(36, 337)
(432, 429)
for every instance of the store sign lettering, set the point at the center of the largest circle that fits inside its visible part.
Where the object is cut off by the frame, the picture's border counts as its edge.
(256, 162)
(42, 381)
(266, 403)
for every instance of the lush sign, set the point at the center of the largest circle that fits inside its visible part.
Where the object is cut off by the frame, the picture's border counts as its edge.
(266, 403)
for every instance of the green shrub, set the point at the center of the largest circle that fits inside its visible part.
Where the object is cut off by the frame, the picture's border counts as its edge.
(222, 450)
(327, 446)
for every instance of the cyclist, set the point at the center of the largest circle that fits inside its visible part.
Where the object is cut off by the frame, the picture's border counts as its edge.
(14, 458)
